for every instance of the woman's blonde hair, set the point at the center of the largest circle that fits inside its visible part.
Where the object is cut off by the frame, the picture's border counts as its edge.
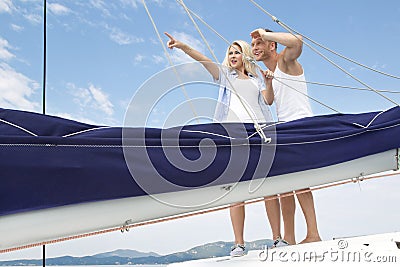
(247, 55)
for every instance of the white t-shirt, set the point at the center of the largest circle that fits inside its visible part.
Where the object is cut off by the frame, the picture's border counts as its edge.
(290, 104)
(228, 77)
(248, 92)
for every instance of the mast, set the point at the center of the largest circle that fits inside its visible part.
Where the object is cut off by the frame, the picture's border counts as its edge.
(44, 59)
(44, 93)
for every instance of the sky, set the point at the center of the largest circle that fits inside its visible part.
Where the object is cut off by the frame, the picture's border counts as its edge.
(101, 53)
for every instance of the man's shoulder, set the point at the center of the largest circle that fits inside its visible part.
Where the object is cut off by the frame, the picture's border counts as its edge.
(292, 67)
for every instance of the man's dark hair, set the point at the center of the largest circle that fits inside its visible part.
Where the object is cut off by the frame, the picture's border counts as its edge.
(276, 44)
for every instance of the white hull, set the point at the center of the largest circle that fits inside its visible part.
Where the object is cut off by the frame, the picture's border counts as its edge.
(372, 250)
(51, 224)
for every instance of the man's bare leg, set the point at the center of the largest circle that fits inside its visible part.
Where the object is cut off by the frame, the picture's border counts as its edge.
(273, 208)
(306, 201)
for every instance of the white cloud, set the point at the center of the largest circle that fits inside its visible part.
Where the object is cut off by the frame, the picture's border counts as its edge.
(58, 9)
(135, 3)
(101, 100)
(132, 3)
(92, 97)
(179, 56)
(158, 59)
(138, 58)
(15, 89)
(34, 18)
(16, 28)
(123, 38)
(74, 117)
(154, 41)
(4, 53)
(29, 9)
(81, 95)
(99, 4)
(6, 6)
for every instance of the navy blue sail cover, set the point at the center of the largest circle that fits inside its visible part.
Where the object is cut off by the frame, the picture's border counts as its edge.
(47, 161)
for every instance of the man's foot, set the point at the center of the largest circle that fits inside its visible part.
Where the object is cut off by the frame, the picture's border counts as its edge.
(238, 250)
(310, 239)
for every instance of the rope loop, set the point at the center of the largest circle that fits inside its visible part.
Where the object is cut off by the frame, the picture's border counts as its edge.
(259, 130)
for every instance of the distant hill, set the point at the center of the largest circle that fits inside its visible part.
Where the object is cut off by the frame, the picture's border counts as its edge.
(132, 257)
(125, 253)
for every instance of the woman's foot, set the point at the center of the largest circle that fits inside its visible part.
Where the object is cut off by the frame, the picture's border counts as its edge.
(238, 250)
(280, 243)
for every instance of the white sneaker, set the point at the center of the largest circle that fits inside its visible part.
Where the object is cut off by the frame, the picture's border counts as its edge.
(280, 243)
(238, 250)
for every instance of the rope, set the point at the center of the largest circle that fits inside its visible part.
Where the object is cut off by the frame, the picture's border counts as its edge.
(170, 61)
(19, 127)
(365, 130)
(208, 26)
(322, 55)
(313, 99)
(126, 227)
(341, 86)
(347, 58)
(186, 215)
(256, 124)
(253, 61)
(198, 30)
(309, 82)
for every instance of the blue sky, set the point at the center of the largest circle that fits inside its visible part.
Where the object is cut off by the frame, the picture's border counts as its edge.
(100, 52)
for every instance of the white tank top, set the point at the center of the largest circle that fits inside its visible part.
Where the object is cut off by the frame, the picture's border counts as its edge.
(248, 91)
(290, 104)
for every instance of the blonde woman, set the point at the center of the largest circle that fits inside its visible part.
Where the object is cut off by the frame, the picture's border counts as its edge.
(250, 90)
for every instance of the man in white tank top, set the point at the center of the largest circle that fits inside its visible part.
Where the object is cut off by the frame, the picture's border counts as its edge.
(291, 103)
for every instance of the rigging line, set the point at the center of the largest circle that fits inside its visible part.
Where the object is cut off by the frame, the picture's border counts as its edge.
(324, 47)
(208, 26)
(189, 11)
(349, 135)
(198, 30)
(322, 55)
(256, 124)
(195, 213)
(88, 130)
(19, 127)
(366, 130)
(170, 62)
(347, 58)
(209, 133)
(341, 86)
(220, 36)
(52, 145)
(251, 60)
(274, 124)
(312, 98)
(373, 119)
(330, 50)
